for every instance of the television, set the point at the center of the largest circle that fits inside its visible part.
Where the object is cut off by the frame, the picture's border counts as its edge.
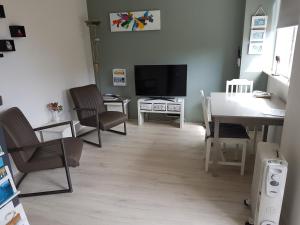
(160, 80)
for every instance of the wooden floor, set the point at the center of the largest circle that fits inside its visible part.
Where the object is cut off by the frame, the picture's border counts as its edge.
(153, 176)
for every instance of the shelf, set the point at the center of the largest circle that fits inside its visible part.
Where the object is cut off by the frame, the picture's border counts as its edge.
(17, 31)
(7, 46)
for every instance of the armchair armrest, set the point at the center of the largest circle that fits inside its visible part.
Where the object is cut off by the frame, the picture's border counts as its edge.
(53, 125)
(29, 147)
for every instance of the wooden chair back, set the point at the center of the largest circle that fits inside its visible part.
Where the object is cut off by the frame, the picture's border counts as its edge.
(239, 86)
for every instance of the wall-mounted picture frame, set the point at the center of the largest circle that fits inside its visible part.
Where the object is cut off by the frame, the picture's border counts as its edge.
(256, 48)
(119, 77)
(2, 12)
(135, 21)
(17, 31)
(259, 22)
(7, 46)
(257, 35)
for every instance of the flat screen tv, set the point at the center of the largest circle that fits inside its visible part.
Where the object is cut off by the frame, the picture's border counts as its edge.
(160, 80)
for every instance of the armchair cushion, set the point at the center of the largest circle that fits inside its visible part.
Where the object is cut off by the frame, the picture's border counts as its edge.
(107, 120)
(50, 156)
(110, 119)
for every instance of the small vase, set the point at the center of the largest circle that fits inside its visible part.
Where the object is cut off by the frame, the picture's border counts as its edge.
(55, 116)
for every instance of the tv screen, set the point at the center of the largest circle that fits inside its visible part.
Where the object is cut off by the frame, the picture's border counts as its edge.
(160, 80)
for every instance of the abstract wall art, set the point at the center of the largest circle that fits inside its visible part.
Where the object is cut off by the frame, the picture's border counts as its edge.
(135, 21)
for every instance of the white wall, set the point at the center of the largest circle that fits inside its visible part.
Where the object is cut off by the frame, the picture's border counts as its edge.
(279, 87)
(291, 145)
(54, 56)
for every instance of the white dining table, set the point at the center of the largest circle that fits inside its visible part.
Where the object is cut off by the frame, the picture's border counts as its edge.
(245, 109)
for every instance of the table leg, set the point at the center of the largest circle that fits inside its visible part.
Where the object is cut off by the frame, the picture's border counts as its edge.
(140, 118)
(181, 120)
(265, 134)
(216, 147)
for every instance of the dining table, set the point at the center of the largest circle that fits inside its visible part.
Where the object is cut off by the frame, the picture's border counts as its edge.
(245, 109)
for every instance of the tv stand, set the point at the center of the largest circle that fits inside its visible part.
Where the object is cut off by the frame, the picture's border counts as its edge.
(160, 105)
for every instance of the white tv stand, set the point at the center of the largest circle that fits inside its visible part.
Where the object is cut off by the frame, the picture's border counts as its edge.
(168, 106)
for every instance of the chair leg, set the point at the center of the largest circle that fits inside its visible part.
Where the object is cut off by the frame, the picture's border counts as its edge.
(207, 157)
(243, 162)
(21, 180)
(236, 152)
(222, 152)
(120, 132)
(125, 128)
(68, 190)
(90, 142)
(99, 137)
(254, 140)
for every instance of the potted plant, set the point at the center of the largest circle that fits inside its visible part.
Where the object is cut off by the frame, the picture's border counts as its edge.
(55, 109)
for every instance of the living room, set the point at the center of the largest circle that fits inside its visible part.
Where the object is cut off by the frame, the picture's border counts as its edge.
(156, 173)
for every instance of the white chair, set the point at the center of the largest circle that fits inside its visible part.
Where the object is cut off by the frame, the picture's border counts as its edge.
(242, 86)
(239, 86)
(228, 133)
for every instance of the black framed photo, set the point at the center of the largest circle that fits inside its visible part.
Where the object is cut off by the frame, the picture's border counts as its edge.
(7, 46)
(17, 31)
(2, 12)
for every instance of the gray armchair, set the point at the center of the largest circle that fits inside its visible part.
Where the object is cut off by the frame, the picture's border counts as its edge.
(30, 155)
(92, 112)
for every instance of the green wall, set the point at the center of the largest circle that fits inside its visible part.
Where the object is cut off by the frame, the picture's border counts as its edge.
(205, 34)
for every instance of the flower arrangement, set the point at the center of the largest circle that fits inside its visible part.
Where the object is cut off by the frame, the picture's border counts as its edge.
(54, 107)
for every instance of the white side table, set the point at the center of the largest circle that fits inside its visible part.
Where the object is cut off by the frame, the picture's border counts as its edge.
(58, 132)
(117, 106)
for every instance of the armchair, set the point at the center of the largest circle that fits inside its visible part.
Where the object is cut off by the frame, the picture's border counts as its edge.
(30, 155)
(91, 112)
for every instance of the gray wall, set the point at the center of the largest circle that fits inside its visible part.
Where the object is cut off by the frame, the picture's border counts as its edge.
(253, 65)
(205, 34)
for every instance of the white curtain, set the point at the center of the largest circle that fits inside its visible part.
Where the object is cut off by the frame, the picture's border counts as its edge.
(289, 13)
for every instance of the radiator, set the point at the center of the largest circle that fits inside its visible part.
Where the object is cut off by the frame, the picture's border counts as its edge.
(268, 185)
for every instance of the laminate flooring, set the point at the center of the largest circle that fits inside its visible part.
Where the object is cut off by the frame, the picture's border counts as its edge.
(153, 176)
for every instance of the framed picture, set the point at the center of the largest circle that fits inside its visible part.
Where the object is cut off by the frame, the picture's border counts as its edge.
(259, 22)
(256, 48)
(7, 46)
(135, 21)
(2, 12)
(119, 77)
(17, 31)
(257, 35)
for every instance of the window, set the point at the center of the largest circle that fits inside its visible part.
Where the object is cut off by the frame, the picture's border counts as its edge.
(284, 51)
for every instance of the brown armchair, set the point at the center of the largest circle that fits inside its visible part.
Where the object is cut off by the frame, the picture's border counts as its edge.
(92, 112)
(29, 155)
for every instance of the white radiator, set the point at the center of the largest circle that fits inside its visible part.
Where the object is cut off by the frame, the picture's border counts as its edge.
(268, 185)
